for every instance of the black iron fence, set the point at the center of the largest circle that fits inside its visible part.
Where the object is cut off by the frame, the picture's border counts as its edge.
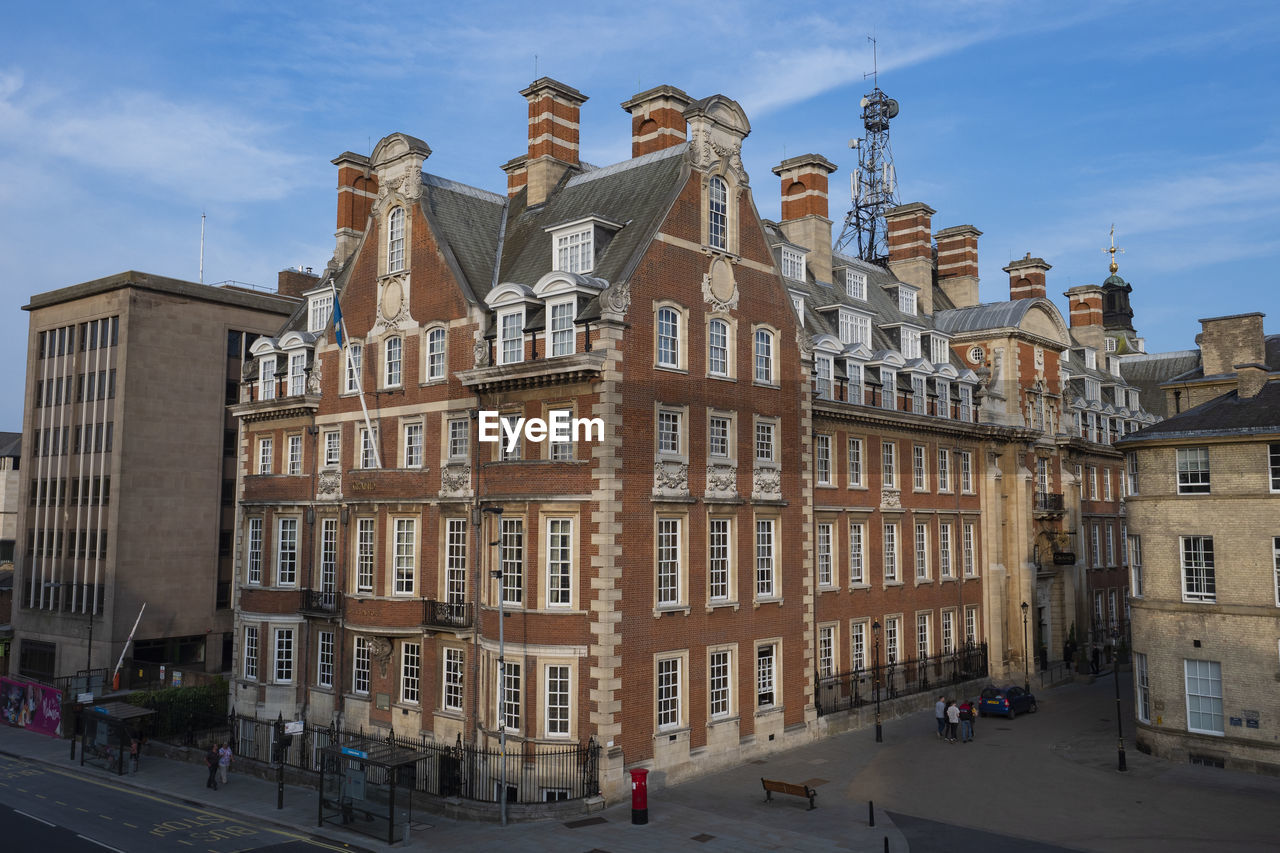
(446, 614)
(845, 690)
(534, 772)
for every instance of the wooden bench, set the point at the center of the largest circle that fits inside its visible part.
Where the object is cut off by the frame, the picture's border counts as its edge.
(772, 786)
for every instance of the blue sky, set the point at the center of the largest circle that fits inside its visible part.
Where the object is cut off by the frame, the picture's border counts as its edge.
(1041, 123)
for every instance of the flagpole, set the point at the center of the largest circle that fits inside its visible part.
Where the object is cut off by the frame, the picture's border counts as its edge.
(342, 348)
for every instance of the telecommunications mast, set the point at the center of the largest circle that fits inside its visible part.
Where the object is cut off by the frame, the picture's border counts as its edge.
(873, 185)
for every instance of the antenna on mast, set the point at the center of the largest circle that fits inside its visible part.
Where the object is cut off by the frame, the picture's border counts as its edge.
(873, 185)
(202, 247)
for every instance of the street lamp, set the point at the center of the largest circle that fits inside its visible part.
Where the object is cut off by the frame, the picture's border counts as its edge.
(496, 573)
(1026, 662)
(875, 629)
(1115, 645)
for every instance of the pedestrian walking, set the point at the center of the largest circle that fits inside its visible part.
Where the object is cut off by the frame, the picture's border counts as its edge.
(133, 755)
(1096, 662)
(966, 721)
(224, 762)
(953, 720)
(940, 712)
(211, 761)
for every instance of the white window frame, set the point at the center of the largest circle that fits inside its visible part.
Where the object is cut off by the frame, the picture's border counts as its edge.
(855, 284)
(1193, 471)
(393, 362)
(395, 240)
(855, 458)
(575, 250)
(888, 465)
(822, 459)
(459, 446)
(282, 659)
(924, 635)
(332, 448)
(1135, 569)
(857, 553)
(948, 632)
(1142, 688)
(720, 679)
(250, 652)
(287, 551)
(667, 337)
(718, 213)
(509, 688)
(669, 692)
(922, 550)
(411, 673)
(437, 361)
(455, 561)
(766, 559)
(559, 559)
(946, 566)
(511, 336)
(669, 432)
(557, 700)
(319, 311)
(267, 377)
(720, 542)
(719, 432)
(354, 365)
(826, 651)
(511, 561)
(266, 453)
(324, 659)
(297, 373)
(561, 331)
(361, 672)
(888, 388)
(944, 470)
(405, 556)
(1273, 464)
(293, 463)
(413, 444)
(766, 441)
(453, 669)
(966, 472)
(907, 301)
(1203, 681)
(368, 447)
(890, 542)
(718, 347)
(792, 263)
(767, 676)
(1199, 580)
(253, 560)
(669, 561)
(764, 366)
(968, 545)
(366, 537)
(825, 546)
(919, 468)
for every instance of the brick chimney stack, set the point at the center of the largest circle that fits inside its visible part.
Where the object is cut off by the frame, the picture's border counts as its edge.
(1027, 280)
(657, 119)
(958, 264)
(295, 282)
(1085, 314)
(804, 208)
(554, 111)
(357, 191)
(910, 238)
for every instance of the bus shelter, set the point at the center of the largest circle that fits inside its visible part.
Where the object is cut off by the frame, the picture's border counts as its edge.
(110, 736)
(367, 785)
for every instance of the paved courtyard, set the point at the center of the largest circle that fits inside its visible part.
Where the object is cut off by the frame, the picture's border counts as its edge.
(1042, 782)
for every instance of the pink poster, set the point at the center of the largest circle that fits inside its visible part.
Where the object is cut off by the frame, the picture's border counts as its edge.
(31, 706)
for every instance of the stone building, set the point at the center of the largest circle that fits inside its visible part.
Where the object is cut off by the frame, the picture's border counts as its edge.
(1205, 554)
(128, 471)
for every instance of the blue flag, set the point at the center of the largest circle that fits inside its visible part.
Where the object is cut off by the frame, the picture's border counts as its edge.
(337, 321)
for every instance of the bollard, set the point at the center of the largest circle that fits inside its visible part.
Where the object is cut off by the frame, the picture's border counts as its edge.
(639, 796)
(871, 813)
(280, 785)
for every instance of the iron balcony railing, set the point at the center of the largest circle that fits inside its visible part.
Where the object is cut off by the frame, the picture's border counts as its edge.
(446, 614)
(1048, 502)
(327, 602)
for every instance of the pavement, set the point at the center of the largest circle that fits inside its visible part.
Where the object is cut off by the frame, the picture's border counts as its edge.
(1043, 782)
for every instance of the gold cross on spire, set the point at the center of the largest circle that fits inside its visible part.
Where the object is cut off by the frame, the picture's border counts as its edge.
(1113, 250)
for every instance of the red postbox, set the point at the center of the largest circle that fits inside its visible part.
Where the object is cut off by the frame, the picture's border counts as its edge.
(639, 796)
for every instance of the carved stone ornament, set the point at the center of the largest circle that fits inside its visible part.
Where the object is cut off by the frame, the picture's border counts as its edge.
(313, 378)
(805, 343)
(393, 305)
(671, 478)
(890, 499)
(329, 486)
(455, 480)
(722, 481)
(481, 351)
(380, 650)
(766, 484)
(615, 300)
(705, 151)
(718, 287)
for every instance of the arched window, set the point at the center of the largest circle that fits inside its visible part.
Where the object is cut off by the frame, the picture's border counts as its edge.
(668, 338)
(764, 356)
(717, 214)
(435, 354)
(718, 348)
(395, 240)
(393, 363)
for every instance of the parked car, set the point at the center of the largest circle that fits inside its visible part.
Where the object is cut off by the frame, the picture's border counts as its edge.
(1006, 701)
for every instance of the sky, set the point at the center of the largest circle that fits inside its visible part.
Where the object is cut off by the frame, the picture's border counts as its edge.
(1040, 123)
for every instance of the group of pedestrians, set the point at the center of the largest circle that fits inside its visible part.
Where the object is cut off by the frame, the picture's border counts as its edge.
(955, 721)
(218, 760)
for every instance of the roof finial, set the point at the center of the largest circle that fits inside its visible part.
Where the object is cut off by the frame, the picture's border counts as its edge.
(1113, 250)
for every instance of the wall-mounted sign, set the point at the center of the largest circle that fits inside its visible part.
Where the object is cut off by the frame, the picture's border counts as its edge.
(1064, 558)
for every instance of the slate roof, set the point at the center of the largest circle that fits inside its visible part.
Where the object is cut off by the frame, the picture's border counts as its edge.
(1148, 372)
(10, 444)
(470, 219)
(988, 315)
(1222, 416)
(1270, 355)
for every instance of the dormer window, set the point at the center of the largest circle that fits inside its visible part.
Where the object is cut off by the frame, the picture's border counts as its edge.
(907, 301)
(717, 214)
(943, 387)
(855, 284)
(1111, 344)
(918, 395)
(966, 403)
(823, 369)
(1091, 361)
(320, 311)
(910, 342)
(511, 337)
(792, 263)
(888, 388)
(560, 326)
(854, 372)
(574, 251)
(798, 302)
(267, 378)
(854, 328)
(1092, 389)
(939, 352)
(297, 373)
(395, 240)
